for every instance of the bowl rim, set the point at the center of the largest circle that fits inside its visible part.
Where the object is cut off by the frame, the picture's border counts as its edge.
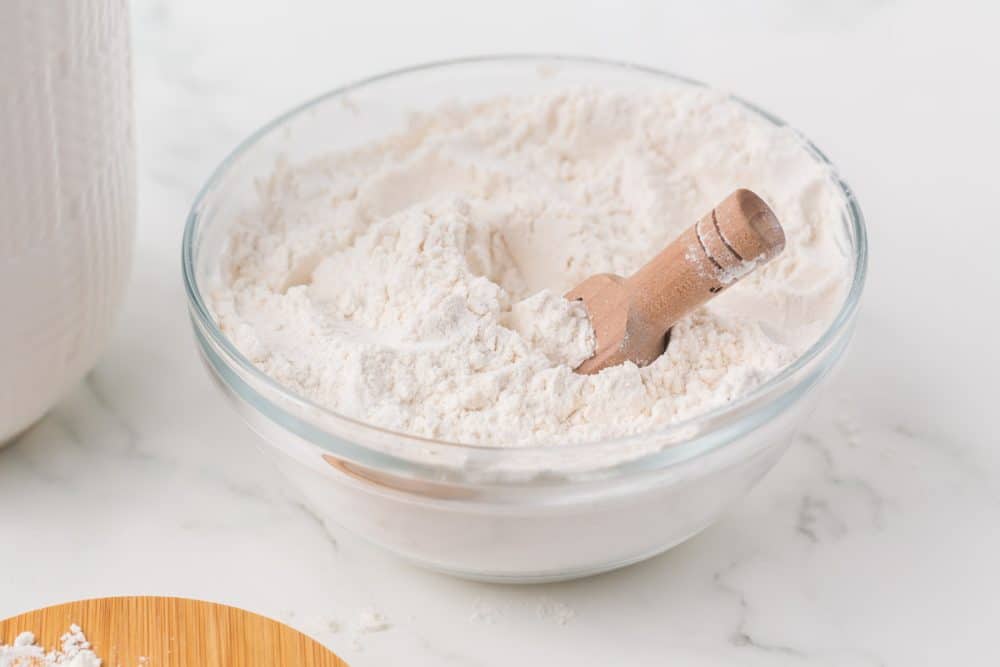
(702, 425)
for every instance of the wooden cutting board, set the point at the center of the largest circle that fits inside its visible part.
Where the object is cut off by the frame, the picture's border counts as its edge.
(172, 632)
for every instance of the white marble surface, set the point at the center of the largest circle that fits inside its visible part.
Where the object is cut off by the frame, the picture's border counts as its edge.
(875, 541)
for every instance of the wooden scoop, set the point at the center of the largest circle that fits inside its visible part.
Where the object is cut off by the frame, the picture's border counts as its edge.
(632, 316)
(172, 632)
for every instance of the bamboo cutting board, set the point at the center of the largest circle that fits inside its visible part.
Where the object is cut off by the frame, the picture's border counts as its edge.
(172, 632)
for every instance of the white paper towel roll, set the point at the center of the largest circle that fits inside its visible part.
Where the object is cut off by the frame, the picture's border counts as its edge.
(67, 194)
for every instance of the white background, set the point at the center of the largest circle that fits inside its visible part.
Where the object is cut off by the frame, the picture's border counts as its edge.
(875, 541)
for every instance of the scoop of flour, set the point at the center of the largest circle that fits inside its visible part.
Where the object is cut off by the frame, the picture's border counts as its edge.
(558, 328)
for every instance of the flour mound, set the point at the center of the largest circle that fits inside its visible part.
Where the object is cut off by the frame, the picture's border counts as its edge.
(416, 283)
(74, 651)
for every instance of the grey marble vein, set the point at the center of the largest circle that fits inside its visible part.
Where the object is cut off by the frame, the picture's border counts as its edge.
(741, 636)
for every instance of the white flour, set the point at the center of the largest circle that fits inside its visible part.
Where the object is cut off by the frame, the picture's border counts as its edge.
(74, 652)
(415, 283)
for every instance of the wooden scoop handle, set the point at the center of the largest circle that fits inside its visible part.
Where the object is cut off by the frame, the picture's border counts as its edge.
(632, 316)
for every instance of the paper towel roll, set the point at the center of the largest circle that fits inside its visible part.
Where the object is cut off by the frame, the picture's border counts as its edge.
(67, 194)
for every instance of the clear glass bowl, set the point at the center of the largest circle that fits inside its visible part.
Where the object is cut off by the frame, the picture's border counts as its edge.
(498, 514)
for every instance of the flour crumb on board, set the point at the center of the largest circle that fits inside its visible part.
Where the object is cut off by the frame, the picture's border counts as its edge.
(75, 651)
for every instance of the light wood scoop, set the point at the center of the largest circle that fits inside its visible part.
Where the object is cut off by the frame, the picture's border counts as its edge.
(632, 316)
(172, 632)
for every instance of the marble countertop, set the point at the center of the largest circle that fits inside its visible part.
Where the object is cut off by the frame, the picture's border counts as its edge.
(874, 541)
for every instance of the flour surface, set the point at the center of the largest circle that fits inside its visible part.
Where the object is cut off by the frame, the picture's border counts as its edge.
(415, 283)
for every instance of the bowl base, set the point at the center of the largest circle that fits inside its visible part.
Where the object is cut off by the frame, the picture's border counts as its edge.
(545, 577)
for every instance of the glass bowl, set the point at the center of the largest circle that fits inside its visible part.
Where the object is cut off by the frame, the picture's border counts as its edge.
(498, 514)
